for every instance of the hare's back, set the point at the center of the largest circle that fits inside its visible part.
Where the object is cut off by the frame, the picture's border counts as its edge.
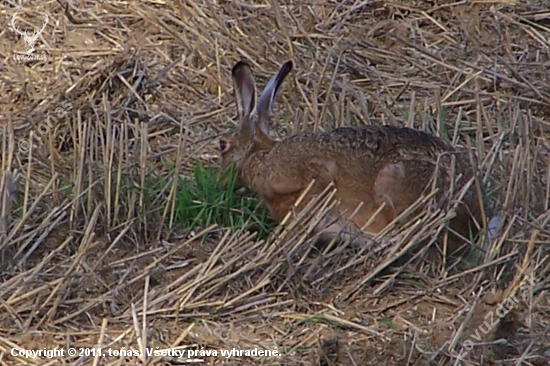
(373, 145)
(388, 143)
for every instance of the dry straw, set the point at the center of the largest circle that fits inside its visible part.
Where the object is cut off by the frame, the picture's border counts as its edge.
(89, 259)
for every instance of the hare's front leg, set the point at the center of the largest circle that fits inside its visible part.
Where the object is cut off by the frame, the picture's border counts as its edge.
(341, 229)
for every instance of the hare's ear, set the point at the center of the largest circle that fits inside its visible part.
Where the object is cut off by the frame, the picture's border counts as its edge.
(245, 93)
(265, 105)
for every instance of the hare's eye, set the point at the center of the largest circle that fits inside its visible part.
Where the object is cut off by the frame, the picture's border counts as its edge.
(223, 145)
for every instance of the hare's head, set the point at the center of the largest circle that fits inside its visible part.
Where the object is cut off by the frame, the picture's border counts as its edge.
(252, 132)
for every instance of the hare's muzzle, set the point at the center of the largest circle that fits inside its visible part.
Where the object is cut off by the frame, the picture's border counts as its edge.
(228, 179)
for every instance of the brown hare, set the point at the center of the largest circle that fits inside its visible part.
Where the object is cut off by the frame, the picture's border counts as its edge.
(372, 165)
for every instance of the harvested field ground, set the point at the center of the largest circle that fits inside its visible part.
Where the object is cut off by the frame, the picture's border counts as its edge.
(91, 255)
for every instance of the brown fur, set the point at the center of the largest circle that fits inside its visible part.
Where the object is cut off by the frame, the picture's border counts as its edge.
(372, 165)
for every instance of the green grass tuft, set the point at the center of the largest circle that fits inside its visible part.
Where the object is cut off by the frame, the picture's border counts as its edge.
(200, 202)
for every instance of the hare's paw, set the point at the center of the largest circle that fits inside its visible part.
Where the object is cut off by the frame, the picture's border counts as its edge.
(342, 229)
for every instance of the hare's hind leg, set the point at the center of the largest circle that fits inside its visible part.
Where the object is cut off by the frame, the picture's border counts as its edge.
(399, 185)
